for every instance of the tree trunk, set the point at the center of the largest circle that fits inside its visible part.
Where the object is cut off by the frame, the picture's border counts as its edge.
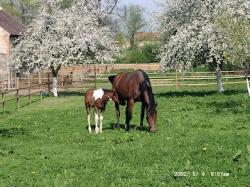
(54, 86)
(220, 88)
(132, 41)
(248, 86)
(54, 80)
(247, 71)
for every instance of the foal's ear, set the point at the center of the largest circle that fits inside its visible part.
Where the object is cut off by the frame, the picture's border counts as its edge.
(111, 78)
(156, 104)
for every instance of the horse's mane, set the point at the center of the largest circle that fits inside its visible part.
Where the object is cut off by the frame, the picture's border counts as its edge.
(146, 85)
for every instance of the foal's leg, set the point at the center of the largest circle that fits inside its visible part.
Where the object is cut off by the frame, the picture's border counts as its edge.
(129, 113)
(142, 114)
(101, 119)
(117, 114)
(88, 118)
(96, 120)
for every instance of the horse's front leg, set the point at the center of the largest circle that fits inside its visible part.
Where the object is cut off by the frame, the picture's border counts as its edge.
(88, 118)
(96, 120)
(117, 114)
(101, 119)
(129, 113)
(142, 115)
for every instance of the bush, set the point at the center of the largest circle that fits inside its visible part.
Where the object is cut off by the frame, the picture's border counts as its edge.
(146, 54)
(136, 55)
(151, 52)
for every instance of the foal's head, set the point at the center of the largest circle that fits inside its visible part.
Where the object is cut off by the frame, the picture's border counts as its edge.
(111, 95)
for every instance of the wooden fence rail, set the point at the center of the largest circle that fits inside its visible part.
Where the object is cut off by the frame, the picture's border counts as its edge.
(18, 95)
(41, 82)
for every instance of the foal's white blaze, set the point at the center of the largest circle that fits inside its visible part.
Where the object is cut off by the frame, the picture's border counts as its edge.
(98, 94)
(96, 123)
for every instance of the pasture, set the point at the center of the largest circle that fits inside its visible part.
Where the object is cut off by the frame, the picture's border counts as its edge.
(198, 132)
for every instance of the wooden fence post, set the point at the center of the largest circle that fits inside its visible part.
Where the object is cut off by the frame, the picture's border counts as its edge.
(176, 77)
(40, 82)
(17, 92)
(48, 85)
(62, 79)
(95, 77)
(17, 82)
(4, 106)
(29, 91)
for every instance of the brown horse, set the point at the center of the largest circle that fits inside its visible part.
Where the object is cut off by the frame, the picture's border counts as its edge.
(98, 99)
(131, 88)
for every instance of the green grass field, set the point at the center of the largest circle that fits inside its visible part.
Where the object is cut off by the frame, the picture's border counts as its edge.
(199, 132)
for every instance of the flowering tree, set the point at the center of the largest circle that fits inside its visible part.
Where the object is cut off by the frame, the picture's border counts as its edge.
(190, 35)
(234, 23)
(59, 37)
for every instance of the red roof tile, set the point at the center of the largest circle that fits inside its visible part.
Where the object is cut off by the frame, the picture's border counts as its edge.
(10, 24)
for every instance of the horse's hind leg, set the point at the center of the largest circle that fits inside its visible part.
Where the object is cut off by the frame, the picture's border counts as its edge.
(142, 115)
(129, 113)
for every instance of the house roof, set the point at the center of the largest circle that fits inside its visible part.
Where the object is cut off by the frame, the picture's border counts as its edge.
(10, 24)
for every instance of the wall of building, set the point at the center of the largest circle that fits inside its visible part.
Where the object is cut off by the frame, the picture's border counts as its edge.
(4, 53)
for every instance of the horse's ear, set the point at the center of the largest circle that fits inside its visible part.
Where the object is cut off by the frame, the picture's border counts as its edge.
(156, 104)
(111, 78)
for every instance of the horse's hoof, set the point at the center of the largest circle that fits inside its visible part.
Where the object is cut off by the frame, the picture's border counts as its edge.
(96, 130)
(117, 126)
(89, 130)
(152, 130)
(127, 129)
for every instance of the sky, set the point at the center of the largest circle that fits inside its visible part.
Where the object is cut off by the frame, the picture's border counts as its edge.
(149, 5)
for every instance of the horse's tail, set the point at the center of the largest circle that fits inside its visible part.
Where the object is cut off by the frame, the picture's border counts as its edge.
(146, 90)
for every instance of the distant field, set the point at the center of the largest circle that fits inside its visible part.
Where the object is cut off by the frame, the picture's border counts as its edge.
(47, 143)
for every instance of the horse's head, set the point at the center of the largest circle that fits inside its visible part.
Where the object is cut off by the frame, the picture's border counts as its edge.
(151, 117)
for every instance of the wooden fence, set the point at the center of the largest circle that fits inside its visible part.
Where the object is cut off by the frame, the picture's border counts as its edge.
(18, 94)
(72, 81)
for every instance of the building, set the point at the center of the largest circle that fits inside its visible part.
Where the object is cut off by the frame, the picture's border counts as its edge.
(143, 38)
(10, 29)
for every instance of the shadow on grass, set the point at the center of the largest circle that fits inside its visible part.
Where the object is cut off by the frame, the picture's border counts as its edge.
(4, 132)
(122, 126)
(112, 126)
(20, 106)
(27, 104)
(71, 93)
(197, 93)
(228, 106)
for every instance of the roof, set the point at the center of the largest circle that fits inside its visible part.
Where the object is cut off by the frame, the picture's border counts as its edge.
(10, 24)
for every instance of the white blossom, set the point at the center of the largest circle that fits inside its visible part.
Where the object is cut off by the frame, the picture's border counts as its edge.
(59, 37)
(190, 34)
